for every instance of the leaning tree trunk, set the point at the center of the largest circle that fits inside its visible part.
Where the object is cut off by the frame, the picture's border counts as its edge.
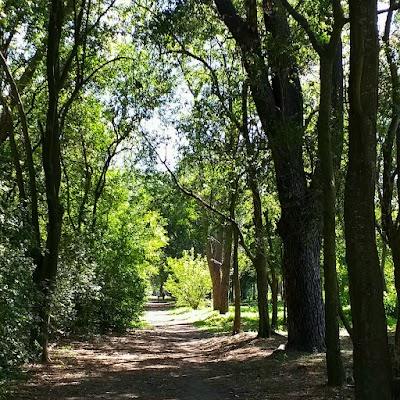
(372, 369)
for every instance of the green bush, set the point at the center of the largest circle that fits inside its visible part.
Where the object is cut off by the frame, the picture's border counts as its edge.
(190, 280)
(16, 298)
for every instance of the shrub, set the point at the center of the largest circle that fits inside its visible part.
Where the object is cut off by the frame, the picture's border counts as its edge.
(190, 280)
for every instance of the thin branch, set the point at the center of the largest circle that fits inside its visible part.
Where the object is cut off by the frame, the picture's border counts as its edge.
(28, 148)
(302, 21)
(393, 7)
(215, 82)
(202, 202)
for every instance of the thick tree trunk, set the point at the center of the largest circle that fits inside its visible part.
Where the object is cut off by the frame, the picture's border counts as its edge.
(280, 111)
(372, 369)
(306, 324)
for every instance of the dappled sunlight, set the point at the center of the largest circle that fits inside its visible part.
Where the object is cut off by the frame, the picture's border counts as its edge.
(178, 362)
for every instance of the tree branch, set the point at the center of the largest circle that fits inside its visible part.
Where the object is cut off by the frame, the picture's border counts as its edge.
(201, 201)
(28, 148)
(302, 21)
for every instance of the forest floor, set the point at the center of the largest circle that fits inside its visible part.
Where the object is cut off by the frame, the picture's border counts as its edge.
(173, 360)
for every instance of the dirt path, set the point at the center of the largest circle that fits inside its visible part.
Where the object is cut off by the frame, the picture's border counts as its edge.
(175, 361)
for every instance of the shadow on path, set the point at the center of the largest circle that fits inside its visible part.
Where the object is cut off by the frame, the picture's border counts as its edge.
(175, 361)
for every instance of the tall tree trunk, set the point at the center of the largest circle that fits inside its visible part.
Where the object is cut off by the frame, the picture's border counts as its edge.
(395, 246)
(214, 252)
(45, 273)
(280, 111)
(225, 269)
(333, 356)
(260, 258)
(274, 280)
(236, 283)
(372, 369)
(390, 224)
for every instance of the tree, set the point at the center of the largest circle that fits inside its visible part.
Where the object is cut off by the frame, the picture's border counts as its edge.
(390, 224)
(372, 370)
(280, 109)
(190, 281)
(327, 53)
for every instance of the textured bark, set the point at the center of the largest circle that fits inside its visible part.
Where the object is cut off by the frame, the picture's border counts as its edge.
(372, 369)
(279, 108)
(390, 224)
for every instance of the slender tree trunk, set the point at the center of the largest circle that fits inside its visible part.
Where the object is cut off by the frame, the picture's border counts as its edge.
(260, 259)
(395, 246)
(214, 252)
(260, 262)
(45, 274)
(372, 369)
(390, 224)
(225, 270)
(274, 281)
(333, 356)
(236, 283)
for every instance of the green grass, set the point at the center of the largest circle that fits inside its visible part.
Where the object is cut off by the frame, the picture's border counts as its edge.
(223, 323)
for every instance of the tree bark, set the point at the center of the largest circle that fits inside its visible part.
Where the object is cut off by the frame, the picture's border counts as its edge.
(390, 224)
(372, 369)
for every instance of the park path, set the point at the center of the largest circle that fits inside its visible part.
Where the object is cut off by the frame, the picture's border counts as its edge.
(173, 360)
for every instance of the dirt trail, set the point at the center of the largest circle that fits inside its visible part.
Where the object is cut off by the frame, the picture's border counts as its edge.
(176, 361)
